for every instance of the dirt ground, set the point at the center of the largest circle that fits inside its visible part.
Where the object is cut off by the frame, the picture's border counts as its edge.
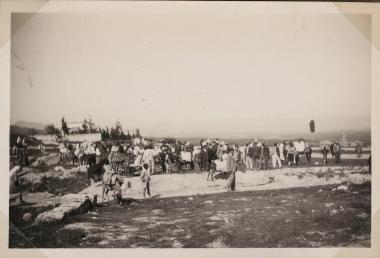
(289, 207)
(298, 217)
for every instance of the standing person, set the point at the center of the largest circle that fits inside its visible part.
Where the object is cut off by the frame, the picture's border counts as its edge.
(24, 144)
(211, 153)
(19, 150)
(308, 151)
(281, 148)
(231, 167)
(163, 160)
(18, 142)
(25, 156)
(204, 156)
(148, 158)
(62, 150)
(337, 152)
(244, 155)
(250, 157)
(266, 155)
(98, 155)
(219, 152)
(359, 150)
(261, 155)
(256, 149)
(178, 148)
(332, 152)
(325, 151)
(145, 179)
(276, 156)
(189, 148)
(286, 150)
(291, 155)
(237, 154)
(139, 156)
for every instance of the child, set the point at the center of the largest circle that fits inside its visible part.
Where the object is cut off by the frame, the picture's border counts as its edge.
(145, 179)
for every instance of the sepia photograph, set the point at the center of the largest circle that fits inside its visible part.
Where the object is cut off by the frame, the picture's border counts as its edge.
(190, 127)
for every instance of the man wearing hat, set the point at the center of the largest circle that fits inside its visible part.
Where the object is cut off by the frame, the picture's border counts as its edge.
(231, 167)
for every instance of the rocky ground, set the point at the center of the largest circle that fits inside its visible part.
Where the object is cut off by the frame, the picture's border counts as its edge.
(317, 216)
(289, 207)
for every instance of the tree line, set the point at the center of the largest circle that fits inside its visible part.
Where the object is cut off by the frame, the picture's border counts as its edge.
(115, 132)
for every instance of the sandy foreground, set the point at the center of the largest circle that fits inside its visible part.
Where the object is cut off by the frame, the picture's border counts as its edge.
(171, 185)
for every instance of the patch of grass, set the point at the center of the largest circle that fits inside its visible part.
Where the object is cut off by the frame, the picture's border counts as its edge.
(58, 186)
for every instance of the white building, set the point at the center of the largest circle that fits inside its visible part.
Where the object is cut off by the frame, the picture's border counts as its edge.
(77, 127)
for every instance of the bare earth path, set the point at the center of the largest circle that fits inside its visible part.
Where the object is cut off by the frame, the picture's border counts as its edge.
(171, 185)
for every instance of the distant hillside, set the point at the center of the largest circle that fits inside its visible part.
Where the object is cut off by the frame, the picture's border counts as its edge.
(24, 131)
(363, 136)
(26, 124)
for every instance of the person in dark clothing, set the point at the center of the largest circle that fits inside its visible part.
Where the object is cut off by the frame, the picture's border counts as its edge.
(359, 150)
(308, 151)
(163, 155)
(337, 152)
(250, 157)
(285, 151)
(264, 156)
(256, 150)
(212, 152)
(325, 151)
(203, 159)
(332, 151)
(178, 148)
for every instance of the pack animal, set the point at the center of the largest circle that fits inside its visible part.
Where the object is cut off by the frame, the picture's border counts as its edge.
(96, 171)
(112, 181)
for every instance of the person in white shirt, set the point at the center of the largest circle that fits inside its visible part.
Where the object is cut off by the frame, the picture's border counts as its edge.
(276, 156)
(145, 179)
(148, 157)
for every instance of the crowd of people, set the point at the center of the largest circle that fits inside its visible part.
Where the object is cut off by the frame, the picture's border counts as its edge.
(146, 158)
(177, 155)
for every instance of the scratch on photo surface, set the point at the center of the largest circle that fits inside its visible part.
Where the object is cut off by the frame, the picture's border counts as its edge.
(22, 67)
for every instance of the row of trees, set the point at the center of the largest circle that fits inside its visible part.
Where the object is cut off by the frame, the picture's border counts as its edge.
(117, 133)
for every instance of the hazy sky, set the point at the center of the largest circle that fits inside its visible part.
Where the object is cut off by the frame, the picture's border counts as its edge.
(189, 72)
